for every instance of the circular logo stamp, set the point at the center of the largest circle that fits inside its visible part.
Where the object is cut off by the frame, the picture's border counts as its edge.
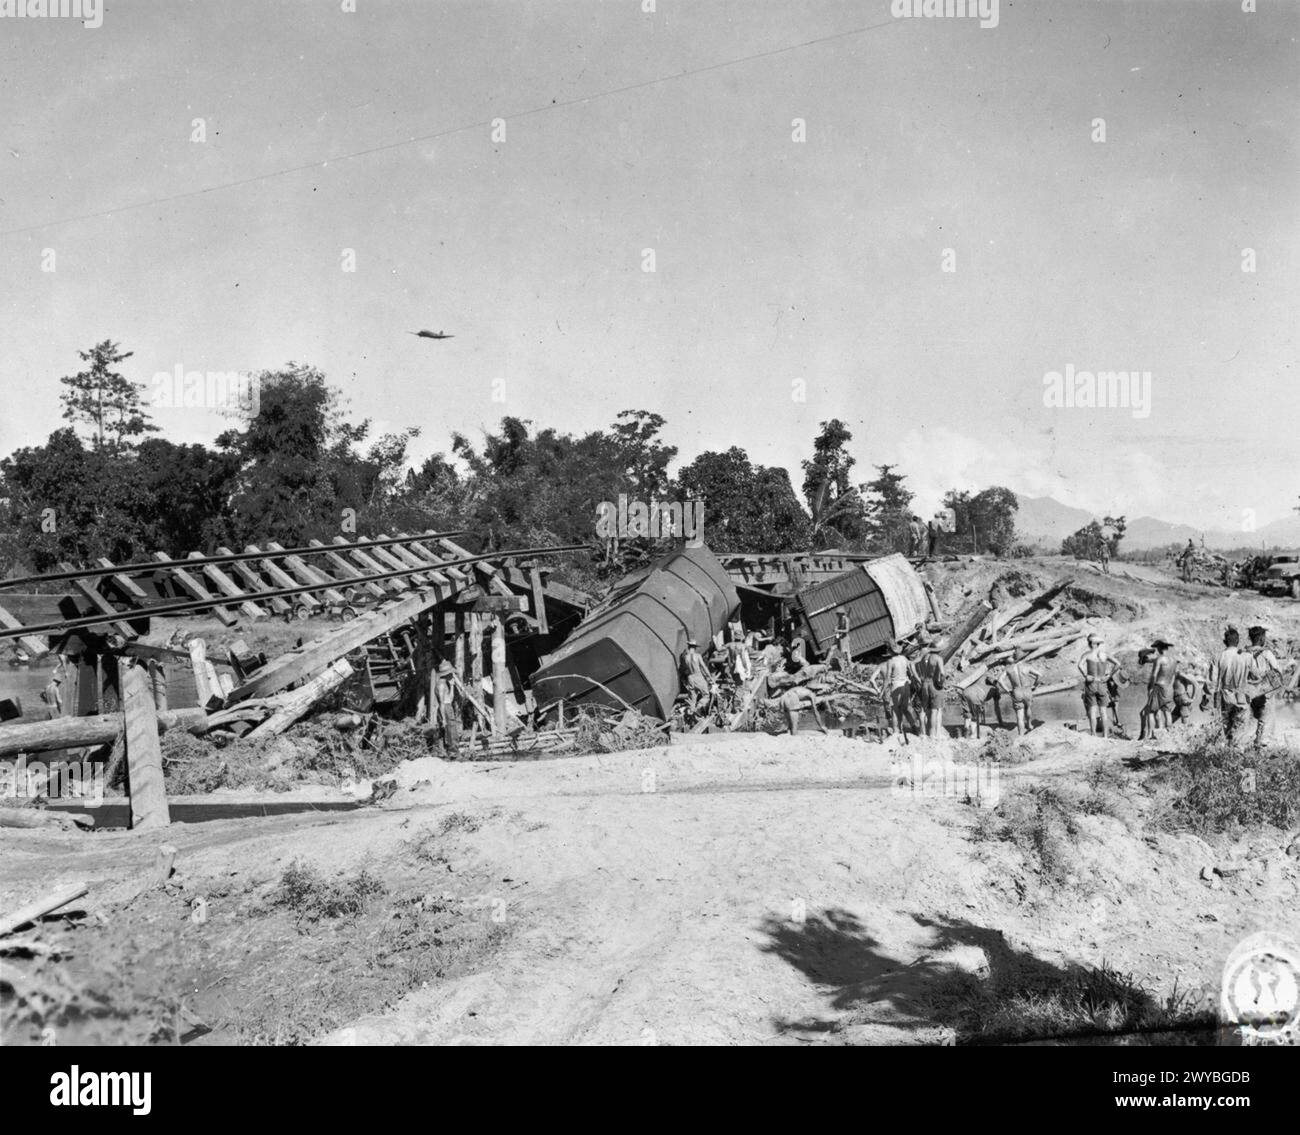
(1261, 989)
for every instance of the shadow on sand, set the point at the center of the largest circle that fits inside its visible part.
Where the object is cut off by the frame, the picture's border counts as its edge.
(1009, 997)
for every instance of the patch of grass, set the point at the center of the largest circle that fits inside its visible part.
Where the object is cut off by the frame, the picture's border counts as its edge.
(1025, 1003)
(1216, 788)
(311, 896)
(1039, 820)
(194, 765)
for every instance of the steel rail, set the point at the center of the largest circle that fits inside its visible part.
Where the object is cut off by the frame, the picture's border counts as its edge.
(167, 609)
(232, 558)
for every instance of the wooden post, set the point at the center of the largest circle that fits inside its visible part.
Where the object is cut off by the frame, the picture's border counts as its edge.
(476, 655)
(458, 646)
(158, 683)
(500, 678)
(199, 659)
(143, 753)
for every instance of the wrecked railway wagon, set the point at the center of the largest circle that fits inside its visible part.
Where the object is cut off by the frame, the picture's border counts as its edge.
(629, 649)
(885, 599)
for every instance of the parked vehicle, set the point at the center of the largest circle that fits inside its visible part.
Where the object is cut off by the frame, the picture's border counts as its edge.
(1282, 576)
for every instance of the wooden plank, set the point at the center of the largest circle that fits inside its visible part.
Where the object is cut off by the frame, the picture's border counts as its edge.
(143, 753)
(485, 570)
(500, 681)
(194, 588)
(255, 583)
(102, 605)
(57, 898)
(539, 599)
(392, 563)
(126, 583)
(454, 577)
(344, 568)
(408, 558)
(283, 579)
(32, 644)
(79, 732)
(476, 654)
(373, 567)
(227, 586)
(496, 604)
(308, 574)
(312, 657)
(209, 692)
(297, 702)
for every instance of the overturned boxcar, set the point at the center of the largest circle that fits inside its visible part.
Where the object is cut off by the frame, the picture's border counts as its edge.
(629, 649)
(884, 599)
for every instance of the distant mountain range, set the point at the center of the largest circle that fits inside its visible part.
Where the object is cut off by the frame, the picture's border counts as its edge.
(1045, 521)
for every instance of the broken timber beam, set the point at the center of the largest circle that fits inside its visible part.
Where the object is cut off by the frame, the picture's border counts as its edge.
(312, 657)
(297, 702)
(143, 753)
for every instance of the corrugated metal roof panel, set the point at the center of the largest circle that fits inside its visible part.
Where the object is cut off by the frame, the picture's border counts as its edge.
(903, 591)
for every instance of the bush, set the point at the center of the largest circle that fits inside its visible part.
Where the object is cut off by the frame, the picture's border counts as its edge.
(306, 892)
(1217, 788)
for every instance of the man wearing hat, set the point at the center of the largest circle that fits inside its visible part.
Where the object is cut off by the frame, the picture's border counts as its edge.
(930, 681)
(897, 680)
(442, 714)
(1160, 692)
(1097, 668)
(1020, 682)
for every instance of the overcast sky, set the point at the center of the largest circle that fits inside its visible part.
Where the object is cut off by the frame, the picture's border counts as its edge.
(777, 262)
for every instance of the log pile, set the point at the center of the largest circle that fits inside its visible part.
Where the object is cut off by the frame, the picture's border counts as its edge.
(1037, 624)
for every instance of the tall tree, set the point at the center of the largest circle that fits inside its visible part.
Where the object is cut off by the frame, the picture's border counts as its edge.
(747, 507)
(889, 507)
(105, 400)
(839, 514)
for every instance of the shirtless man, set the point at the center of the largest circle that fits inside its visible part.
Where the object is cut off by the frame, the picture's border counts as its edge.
(973, 700)
(1160, 692)
(792, 701)
(1020, 681)
(929, 673)
(1097, 667)
(898, 676)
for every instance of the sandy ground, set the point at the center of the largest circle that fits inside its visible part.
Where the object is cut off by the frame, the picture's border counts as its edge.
(773, 890)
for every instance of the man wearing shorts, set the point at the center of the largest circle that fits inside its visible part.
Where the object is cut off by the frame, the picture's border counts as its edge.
(929, 673)
(1019, 680)
(1097, 668)
(1160, 692)
(898, 677)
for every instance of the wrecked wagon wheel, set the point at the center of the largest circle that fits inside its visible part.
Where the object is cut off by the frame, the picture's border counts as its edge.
(300, 611)
(347, 614)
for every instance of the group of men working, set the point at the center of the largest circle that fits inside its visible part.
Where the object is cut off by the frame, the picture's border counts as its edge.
(912, 691)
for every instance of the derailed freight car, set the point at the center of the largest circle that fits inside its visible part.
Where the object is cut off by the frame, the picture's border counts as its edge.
(629, 649)
(884, 599)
